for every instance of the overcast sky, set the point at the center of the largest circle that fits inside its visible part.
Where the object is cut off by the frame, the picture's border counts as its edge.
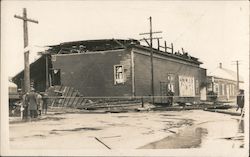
(212, 31)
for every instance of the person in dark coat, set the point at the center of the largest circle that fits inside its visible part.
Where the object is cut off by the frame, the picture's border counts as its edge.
(45, 103)
(25, 106)
(240, 100)
(39, 101)
(32, 103)
(170, 95)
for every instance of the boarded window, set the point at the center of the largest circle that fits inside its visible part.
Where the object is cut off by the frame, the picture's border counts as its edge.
(118, 74)
(186, 86)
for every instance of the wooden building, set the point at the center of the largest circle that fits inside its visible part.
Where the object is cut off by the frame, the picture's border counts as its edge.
(223, 83)
(118, 68)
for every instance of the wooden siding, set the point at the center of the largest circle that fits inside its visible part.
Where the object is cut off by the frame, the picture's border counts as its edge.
(162, 67)
(93, 73)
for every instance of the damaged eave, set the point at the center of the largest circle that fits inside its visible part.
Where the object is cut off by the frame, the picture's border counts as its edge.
(166, 54)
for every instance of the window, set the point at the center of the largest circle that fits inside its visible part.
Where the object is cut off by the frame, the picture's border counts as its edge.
(197, 86)
(171, 87)
(53, 58)
(222, 89)
(216, 88)
(171, 82)
(118, 74)
(56, 77)
(233, 90)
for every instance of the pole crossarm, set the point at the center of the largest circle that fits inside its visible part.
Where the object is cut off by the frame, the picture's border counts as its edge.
(166, 47)
(150, 38)
(149, 33)
(25, 19)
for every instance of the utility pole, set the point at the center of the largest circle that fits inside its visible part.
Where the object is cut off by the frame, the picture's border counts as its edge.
(151, 60)
(26, 53)
(151, 54)
(238, 75)
(238, 84)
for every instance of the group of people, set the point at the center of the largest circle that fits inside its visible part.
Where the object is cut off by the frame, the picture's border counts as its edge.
(33, 104)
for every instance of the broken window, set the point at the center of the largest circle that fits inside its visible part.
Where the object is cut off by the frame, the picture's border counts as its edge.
(118, 74)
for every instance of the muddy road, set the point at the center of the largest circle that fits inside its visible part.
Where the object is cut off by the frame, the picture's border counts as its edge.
(135, 130)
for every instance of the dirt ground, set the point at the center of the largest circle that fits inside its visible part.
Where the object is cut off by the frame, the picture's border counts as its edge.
(132, 130)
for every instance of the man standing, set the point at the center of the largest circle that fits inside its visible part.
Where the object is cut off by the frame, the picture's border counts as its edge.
(32, 103)
(240, 100)
(24, 107)
(45, 103)
(170, 95)
(39, 103)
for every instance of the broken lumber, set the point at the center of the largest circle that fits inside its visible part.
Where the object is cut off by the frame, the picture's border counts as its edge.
(102, 143)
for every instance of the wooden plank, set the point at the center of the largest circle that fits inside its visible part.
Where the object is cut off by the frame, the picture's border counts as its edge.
(67, 97)
(62, 88)
(75, 102)
(70, 95)
(55, 100)
(58, 101)
(79, 101)
(76, 99)
(66, 90)
(102, 143)
(74, 93)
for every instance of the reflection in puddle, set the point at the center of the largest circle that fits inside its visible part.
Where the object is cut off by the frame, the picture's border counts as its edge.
(241, 127)
(226, 134)
(223, 134)
(189, 138)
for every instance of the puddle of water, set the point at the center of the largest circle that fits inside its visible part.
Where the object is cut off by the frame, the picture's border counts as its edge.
(118, 124)
(122, 116)
(241, 126)
(167, 115)
(78, 129)
(225, 134)
(53, 118)
(37, 135)
(210, 135)
(189, 138)
(54, 133)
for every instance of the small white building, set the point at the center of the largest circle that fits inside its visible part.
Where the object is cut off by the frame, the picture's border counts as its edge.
(223, 82)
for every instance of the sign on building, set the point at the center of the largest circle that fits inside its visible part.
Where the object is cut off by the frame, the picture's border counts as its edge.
(186, 86)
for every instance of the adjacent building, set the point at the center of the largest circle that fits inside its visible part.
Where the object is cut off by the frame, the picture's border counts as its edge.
(223, 83)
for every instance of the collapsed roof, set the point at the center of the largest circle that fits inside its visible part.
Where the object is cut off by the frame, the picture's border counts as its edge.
(88, 46)
(92, 45)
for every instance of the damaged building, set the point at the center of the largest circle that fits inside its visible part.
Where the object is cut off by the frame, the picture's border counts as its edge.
(115, 67)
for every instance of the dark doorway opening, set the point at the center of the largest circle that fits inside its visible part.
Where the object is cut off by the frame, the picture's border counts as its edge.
(56, 77)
